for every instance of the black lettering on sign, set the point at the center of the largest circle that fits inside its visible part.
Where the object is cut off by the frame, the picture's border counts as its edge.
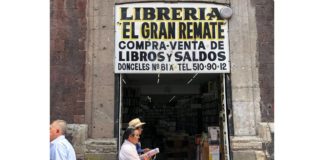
(163, 32)
(153, 31)
(212, 56)
(152, 56)
(221, 56)
(178, 56)
(124, 14)
(171, 30)
(137, 14)
(214, 14)
(221, 44)
(145, 30)
(134, 56)
(197, 27)
(182, 30)
(173, 45)
(126, 29)
(202, 56)
(206, 31)
(202, 13)
(121, 56)
(176, 13)
(122, 44)
(201, 45)
(189, 30)
(213, 45)
(163, 13)
(213, 28)
(171, 68)
(220, 30)
(190, 14)
(143, 56)
(148, 13)
(161, 57)
(222, 66)
(133, 31)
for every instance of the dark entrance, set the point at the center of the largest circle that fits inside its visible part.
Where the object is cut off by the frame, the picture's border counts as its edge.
(183, 113)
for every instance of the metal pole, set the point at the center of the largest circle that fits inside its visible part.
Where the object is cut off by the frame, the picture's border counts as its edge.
(225, 123)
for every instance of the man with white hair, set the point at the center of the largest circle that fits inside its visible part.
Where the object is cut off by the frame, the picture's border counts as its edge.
(61, 149)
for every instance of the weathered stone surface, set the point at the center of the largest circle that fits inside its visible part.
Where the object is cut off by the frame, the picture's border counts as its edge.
(100, 40)
(260, 155)
(100, 156)
(102, 112)
(77, 135)
(242, 78)
(244, 118)
(101, 53)
(244, 155)
(102, 75)
(264, 132)
(101, 145)
(242, 94)
(265, 22)
(243, 45)
(67, 55)
(78, 132)
(246, 143)
(101, 23)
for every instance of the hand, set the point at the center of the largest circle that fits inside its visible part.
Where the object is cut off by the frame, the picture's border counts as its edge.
(146, 150)
(146, 157)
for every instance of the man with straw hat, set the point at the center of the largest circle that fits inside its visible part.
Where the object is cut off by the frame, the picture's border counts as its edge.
(137, 124)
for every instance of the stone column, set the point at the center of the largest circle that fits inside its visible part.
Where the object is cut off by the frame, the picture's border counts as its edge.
(100, 81)
(246, 144)
(100, 74)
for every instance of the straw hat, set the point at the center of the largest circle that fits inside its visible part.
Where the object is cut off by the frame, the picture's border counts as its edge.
(135, 123)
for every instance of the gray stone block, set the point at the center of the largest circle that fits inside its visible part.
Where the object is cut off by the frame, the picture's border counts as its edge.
(77, 134)
(244, 155)
(103, 75)
(242, 94)
(78, 131)
(102, 22)
(244, 118)
(264, 132)
(241, 77)
(101, 145)
(100, 39)
(100, 156)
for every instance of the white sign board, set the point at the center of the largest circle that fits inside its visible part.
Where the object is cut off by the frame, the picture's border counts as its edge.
(171, 38)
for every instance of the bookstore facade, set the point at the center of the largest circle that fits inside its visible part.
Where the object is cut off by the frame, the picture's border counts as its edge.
(196, 72)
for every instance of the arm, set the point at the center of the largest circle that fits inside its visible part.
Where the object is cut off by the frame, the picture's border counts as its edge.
(140, 150)
(129, 153)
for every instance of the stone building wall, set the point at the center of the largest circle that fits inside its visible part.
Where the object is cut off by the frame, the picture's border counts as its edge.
(67, 60)
(265, 27)
(265, 20)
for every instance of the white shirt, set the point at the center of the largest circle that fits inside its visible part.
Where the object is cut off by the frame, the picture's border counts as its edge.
(61, 149)
(128, 151)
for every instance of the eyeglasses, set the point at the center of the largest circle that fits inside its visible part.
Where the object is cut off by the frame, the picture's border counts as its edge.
(136, 135)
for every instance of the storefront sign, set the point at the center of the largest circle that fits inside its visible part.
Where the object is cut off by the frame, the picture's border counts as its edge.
(171, 38)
